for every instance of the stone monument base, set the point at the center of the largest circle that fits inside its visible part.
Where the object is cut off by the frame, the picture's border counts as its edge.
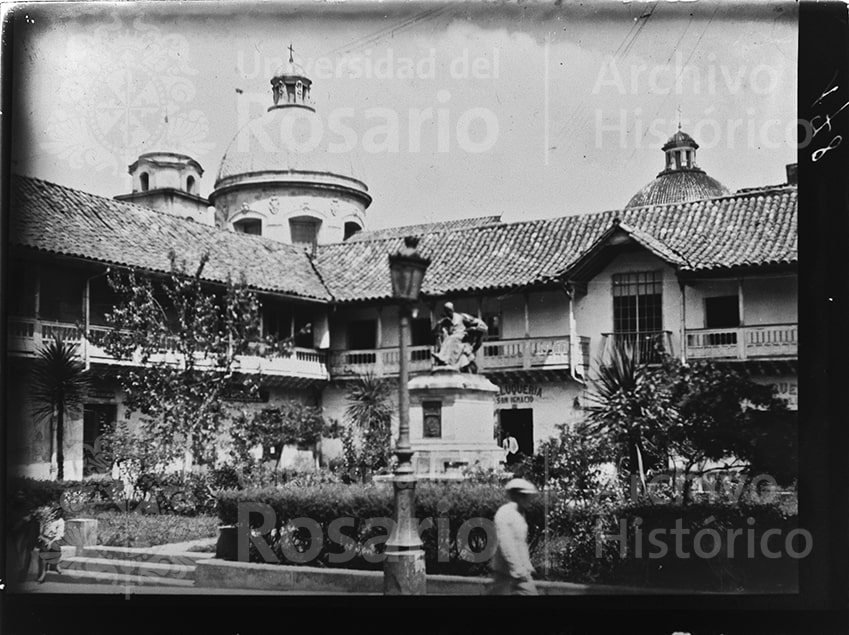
(453, 422)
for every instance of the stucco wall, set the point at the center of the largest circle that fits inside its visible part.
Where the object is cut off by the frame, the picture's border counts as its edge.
(594, 311)
(767, 299)
(274, 206)
(552, 403)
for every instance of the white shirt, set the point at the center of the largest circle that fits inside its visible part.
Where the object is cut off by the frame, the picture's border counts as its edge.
(511, 555)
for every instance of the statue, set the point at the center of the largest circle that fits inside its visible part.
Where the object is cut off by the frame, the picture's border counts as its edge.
(459, 335)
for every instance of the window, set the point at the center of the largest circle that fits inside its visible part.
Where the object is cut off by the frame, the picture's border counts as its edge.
(432, 419)
(249, 226)
(637, 302)
(362, 334)
(304, 231)
(190, 185)
(351, 228)
(638, 311)
(144, 182)
(722, 312)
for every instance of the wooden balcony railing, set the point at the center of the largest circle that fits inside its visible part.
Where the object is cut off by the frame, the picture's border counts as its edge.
(649, 346)
(27, 335)
(516, 354)
(744, 342)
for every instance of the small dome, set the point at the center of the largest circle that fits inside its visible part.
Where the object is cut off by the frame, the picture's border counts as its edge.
(291, 69)
(680, 140)
(678, 186)
(682, 180)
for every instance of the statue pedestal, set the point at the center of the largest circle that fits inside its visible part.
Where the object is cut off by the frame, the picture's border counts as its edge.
(453, 422)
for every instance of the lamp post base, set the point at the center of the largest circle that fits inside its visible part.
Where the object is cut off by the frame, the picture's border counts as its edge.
(404, 573)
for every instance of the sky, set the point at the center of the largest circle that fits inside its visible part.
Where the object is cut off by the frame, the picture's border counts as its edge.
(525, 110)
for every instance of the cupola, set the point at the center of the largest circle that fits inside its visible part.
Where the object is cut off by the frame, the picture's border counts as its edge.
(681, 179)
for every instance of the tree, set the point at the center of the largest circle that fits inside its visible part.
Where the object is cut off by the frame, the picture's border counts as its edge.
(289, 423)
(184, 337)
(367, 440)
(694, 412)
(58, 388)
(720, 414)
(572, 462)
(630, 408)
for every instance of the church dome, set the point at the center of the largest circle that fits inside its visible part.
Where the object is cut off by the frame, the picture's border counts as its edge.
(287, 143)
(290, 145)
(682, 180)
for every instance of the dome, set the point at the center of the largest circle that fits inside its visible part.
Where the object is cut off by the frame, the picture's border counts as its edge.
(678, 186)
(682, 180)
(290, 145)
(680, 140)
(291, 69)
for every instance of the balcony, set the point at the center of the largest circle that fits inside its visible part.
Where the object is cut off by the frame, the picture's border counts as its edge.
(498, 355)
(26, 335)
(773, 341)
(650, 346)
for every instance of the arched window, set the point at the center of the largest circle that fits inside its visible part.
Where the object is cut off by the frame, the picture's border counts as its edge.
(190, 184)
(304, 230)
(351, 228)
(144, 181)
(249, 226)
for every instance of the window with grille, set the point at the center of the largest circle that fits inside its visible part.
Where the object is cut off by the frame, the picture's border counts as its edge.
(638, 302)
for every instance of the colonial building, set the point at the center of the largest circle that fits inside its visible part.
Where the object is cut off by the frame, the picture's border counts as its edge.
(685, 265)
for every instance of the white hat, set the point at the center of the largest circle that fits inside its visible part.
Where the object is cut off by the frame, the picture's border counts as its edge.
(521, 485)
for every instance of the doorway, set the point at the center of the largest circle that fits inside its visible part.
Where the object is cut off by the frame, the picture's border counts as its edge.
(519, 424)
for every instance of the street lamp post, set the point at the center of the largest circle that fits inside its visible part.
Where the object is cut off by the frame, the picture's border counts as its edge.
(404, 567)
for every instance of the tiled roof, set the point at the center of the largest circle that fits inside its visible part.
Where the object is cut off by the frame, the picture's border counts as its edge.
(678, 185)
(753, 229)
(61, 220)
(426, 228)
(655, 246)
(743, 230)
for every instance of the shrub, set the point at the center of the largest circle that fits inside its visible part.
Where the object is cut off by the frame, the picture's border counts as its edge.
(117, 529)
(583, 553)
(76, 498)
(448, 505)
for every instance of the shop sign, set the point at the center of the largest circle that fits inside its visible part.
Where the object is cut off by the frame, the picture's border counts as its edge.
(518, 394)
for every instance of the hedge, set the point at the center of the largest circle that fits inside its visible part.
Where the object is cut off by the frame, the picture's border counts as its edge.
(714, 547)
(574, 549)
(448, 506)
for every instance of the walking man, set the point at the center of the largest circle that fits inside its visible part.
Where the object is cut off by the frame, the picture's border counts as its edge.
(511, 564)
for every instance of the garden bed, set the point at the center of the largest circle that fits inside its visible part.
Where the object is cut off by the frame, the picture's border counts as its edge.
(119, 529)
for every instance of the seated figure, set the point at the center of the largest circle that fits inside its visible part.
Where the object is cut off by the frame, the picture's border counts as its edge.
(459, 335)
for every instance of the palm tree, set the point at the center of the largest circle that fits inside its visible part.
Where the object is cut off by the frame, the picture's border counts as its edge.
(58, 388)
(625, 406)
(369, 411)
